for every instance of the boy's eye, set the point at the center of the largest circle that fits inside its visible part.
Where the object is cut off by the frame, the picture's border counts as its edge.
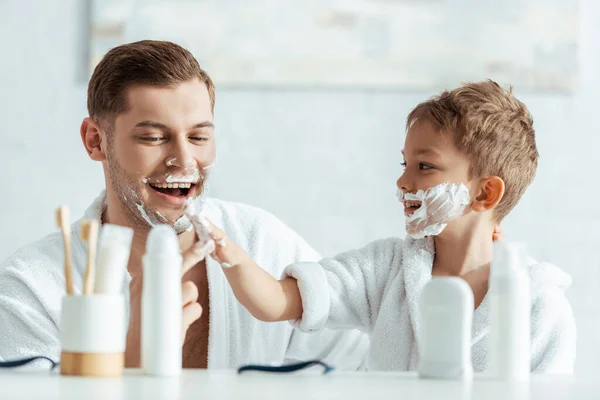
(422, 166)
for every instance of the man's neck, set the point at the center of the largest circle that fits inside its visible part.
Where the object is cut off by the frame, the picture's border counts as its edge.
(457, 253)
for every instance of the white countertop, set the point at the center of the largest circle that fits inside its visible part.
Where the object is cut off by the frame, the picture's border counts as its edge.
(221, 385)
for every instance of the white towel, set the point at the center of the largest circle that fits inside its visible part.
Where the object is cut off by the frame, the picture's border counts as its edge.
(32, 285)
(377, 288)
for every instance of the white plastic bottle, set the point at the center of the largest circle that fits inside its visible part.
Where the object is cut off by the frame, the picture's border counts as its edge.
(510, 315)
(161, 304)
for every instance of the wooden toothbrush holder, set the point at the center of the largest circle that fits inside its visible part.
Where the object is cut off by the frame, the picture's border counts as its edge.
(92, 335)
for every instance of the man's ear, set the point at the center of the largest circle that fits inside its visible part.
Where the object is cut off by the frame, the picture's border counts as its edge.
(489, 194)
(93, 138)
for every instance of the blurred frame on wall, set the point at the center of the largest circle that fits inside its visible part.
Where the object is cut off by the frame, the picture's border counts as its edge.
(423, 45)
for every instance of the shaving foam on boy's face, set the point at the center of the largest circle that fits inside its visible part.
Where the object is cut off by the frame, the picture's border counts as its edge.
(434, 208)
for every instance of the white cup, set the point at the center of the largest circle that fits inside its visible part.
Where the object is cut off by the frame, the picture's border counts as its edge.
(93, 335)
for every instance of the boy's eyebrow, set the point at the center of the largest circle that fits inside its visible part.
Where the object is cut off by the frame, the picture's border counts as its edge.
(425, 151)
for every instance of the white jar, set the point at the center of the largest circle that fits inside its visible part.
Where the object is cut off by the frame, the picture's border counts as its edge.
(92, 335)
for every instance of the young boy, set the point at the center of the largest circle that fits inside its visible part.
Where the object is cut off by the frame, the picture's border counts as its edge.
(469, 156)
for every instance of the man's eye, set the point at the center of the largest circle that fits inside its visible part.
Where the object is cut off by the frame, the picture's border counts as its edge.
(403, 165)
(199, 138)
(151, 139)
(424, 167)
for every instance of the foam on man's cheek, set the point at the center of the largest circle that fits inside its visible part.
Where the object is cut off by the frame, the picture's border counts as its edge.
(440, 204)
(189, 174)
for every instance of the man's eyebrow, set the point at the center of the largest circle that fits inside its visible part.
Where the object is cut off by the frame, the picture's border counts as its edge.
(205, 124)
(159, 125)
(151, 124)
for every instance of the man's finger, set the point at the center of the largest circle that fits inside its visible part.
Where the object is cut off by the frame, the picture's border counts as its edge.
(191, 313)
(189, 293)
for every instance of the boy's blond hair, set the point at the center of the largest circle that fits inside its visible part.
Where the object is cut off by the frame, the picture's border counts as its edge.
(491, 127)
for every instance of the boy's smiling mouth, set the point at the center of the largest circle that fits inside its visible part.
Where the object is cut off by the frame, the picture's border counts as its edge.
(410, 206)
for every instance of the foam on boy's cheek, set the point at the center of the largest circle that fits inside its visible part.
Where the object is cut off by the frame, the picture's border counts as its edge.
(440, 204)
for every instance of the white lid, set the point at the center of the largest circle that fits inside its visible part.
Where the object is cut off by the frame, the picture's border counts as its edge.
(506, 257)
(115, 235)
(162, 242)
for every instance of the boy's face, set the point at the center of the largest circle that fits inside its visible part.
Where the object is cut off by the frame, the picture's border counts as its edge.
(430, 159)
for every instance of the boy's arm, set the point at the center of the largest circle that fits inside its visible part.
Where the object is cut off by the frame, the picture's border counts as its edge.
(343, 292)
(265, 297)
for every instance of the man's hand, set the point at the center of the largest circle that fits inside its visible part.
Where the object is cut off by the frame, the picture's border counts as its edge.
(192, 310)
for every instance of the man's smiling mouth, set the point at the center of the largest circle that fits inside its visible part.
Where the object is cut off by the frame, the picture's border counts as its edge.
(176, 189)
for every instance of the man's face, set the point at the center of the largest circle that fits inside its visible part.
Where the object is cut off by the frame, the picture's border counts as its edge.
(160, 152)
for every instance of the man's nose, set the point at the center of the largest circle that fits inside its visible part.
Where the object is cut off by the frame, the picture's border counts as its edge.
(180, 155)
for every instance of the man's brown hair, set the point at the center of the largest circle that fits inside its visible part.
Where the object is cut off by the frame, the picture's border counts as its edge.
(147, 62)
(491, 127)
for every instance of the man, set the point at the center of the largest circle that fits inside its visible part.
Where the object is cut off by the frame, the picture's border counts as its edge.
(151, 127)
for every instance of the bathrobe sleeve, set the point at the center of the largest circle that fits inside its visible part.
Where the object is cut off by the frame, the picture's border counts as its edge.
(553, 333)
(27, 326)
(346, 291)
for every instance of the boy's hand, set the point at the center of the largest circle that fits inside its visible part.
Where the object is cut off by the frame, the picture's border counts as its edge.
(223, 250)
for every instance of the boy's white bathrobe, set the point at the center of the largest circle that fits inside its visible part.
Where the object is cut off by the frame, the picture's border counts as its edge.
(377, 288)
(32, 285)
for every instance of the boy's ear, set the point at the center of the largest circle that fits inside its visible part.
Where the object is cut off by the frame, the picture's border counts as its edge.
(490, 192)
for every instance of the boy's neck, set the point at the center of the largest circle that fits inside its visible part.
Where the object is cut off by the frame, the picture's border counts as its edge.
(459, 252)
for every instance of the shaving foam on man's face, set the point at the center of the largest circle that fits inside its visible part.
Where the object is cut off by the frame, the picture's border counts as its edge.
(430, 211)
(162, 152)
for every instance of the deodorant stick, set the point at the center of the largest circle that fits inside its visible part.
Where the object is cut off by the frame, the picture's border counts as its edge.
(161, 304)
(446, 315)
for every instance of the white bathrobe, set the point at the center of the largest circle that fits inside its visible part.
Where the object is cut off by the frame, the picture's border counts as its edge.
(376, 289)
(32, 284)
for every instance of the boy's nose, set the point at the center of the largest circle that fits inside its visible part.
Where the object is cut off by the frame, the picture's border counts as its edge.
(402, 183)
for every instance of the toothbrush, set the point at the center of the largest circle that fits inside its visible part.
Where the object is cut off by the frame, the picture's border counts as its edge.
(89, 234)
(62, 220)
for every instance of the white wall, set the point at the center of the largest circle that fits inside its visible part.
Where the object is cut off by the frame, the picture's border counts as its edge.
(324, 162)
